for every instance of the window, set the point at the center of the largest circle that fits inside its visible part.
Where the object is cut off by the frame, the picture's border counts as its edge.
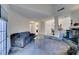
(66, 22)
(3, 37)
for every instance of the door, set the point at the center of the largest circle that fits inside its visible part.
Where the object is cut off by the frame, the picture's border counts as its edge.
(3, 37)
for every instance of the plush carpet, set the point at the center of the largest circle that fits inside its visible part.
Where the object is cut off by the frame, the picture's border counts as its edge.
(42, 47)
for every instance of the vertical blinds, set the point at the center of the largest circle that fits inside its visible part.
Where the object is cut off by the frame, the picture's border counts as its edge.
(3, 32)
(0, 10)
(2, 37)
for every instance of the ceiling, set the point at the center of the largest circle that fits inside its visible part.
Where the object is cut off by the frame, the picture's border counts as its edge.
(43, 11)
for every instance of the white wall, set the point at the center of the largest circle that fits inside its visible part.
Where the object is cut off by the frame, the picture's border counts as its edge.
(17, 23)
(49, 25)
(41, 27)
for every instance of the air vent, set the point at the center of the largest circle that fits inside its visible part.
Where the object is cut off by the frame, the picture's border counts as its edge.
(60, 9)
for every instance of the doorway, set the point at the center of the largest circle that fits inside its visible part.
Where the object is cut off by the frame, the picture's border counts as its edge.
(34, 27)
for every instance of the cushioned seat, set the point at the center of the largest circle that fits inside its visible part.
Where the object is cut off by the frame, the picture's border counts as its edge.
(20, 39)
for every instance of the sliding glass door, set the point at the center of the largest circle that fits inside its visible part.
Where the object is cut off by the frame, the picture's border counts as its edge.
(3, 37)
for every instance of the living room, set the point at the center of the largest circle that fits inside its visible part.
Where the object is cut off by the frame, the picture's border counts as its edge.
(28, 23)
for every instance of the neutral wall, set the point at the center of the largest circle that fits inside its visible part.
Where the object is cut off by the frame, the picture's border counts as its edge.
(17, 23)
(49, 25)
(41, 27)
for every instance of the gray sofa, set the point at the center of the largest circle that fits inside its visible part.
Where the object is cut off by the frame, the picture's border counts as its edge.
(21, 39)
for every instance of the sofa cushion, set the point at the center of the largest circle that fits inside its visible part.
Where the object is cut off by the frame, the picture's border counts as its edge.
(19, 39)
